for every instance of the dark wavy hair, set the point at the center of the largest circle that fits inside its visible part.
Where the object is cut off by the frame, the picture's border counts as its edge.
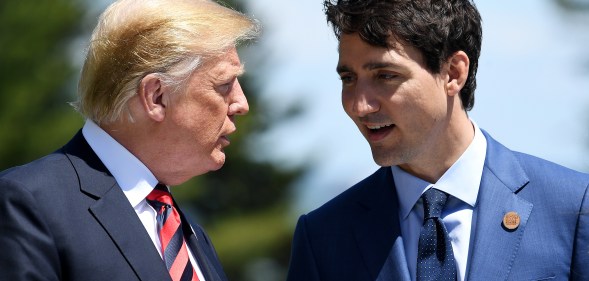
(438, 28)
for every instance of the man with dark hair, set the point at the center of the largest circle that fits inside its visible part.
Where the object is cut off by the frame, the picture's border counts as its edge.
(450, 202)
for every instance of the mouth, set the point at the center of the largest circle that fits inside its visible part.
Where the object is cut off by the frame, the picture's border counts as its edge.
(224, 140)
(378, 132)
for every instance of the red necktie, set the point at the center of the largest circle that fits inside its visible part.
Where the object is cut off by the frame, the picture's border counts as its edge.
(169, 228)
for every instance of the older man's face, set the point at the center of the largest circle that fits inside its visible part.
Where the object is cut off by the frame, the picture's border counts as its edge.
(202, 118)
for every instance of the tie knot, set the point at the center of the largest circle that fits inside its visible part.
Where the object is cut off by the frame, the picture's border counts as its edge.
(160, 195)
(433, 203)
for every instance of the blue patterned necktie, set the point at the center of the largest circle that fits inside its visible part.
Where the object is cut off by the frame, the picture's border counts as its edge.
(435, 258)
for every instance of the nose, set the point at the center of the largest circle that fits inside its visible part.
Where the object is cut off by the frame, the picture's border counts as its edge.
(238, 104)
(360, 100)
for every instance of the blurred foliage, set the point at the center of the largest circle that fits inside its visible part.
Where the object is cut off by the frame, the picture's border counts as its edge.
(574, 5)
(244, 206)
(35, 74)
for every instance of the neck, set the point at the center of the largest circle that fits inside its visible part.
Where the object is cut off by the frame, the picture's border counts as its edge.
(455, 139)
(139, 139)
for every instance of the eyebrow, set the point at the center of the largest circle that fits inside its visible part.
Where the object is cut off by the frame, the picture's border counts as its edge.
(368, 66)
(342, 69)
(225, 74)
(238, 73)
(241, 70)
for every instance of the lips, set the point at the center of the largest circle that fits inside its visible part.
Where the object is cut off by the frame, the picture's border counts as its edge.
(225, 138)
(377, 132)
(227, 130)
(224, 141)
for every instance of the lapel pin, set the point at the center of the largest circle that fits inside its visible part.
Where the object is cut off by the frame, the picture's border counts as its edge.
(511, 220)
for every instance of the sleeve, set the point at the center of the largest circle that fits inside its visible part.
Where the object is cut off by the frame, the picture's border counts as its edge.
(27, 248)
(302, 261)
(579, 267)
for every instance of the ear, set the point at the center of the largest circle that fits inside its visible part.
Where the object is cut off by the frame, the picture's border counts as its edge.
(151, 95)
(458, 65)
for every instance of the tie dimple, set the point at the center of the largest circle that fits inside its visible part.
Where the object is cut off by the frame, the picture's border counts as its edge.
(433, 203)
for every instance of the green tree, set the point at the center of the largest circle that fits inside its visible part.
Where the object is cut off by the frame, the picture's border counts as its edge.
(35, 77)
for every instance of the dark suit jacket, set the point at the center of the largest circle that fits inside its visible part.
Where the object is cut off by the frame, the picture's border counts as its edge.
(64, 217)
(356, 236)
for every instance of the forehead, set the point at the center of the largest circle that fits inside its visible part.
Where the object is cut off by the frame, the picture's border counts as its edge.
(226, 64)
(355, 52)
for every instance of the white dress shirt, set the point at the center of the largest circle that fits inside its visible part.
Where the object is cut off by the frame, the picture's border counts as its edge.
(461, 181)
(134, 178)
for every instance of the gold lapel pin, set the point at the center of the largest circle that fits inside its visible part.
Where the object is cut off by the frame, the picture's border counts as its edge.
(511, 220)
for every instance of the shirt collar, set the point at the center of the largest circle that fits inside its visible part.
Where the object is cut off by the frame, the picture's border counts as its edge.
(134, 178)
(461, 180)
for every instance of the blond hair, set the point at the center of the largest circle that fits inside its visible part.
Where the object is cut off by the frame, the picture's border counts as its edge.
(134, 38)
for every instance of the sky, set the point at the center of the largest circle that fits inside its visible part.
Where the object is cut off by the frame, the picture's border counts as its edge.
(532, 92)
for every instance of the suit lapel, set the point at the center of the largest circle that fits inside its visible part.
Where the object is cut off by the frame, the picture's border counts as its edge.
(120, 221)
(114, 213)
(378, 232)
(206, 268)
(203, 253)
(493, 248)
(395, 267)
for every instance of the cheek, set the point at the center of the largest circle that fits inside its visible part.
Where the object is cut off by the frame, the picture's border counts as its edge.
(347, 100)
(207, 111)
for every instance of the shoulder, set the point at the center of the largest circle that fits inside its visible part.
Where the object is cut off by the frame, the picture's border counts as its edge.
(540, 168)
(46, 171)
(30, 190)
(500, 158)
(41, 178)
(54, 170)
(343, 208)
(545, 180)
(535, 168)
(553, 184)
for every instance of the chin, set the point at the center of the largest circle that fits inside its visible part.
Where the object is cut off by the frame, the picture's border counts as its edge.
(218, 162)
(216, 167)
(384, 158)
(383, 163)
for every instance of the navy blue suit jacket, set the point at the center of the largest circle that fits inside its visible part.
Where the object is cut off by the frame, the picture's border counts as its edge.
(64, 217)
(356, 236)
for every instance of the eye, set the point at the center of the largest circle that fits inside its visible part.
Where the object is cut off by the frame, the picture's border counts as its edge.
(387, 76)
(346, 78)
(225, 87)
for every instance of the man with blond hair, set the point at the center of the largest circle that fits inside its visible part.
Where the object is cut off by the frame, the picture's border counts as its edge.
(159, 92)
